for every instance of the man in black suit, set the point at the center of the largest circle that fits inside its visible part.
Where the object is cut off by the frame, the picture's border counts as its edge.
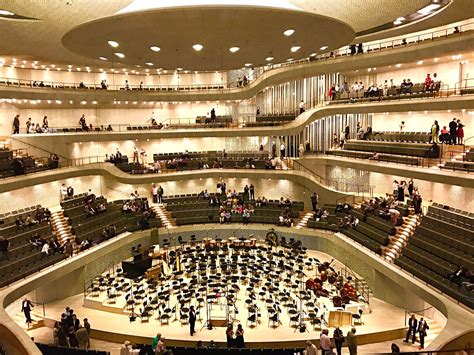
(412, 328)
(192, 320)
(422, 328)
(314, 201)
(26, 307)
(453, 130)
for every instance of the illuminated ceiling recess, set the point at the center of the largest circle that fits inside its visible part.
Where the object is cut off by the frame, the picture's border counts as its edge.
(148, 33)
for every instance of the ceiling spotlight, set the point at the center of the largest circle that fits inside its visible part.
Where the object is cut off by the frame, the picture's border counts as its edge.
(248, 64)
(155, 48)
(295, 49)
(234, 49)
(269, 59)
(419, 62)
(113, 44)
(102, 58)
(197, 47)
(288, 32)
(398, 65)
(6, 13)
(323, 48)
(427, 9)
(399, 21)
(313, 54)
(290, 59)
(149, 64)
(179, 69)
(120, 55)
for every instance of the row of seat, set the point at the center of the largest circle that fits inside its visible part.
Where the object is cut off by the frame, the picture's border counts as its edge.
(452, 215)
(210, 154)
(8, 218)
(415, 137)
(411, 149)
(459, 165)
(391, 158)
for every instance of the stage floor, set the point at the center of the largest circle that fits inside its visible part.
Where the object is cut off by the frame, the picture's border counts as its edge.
(384, 322)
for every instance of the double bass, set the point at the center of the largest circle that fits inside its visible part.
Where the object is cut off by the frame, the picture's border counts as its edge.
(316, 285)
(348, 293)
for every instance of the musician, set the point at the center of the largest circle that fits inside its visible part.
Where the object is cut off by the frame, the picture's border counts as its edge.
(422, 328)
(192, 320)
(230, 336)
(412, 328)
(338, 339)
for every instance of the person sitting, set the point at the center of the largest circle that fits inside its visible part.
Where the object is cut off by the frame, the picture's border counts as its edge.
(428, 82)
(444, 136)
(457, 275)
(81, 85)
(46, 249)
(103, 85)
(19, 222)
(30, 221)
(246, 216)
(89, 210)
(227, 217)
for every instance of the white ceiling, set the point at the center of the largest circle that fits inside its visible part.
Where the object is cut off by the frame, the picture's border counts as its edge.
(41, 40)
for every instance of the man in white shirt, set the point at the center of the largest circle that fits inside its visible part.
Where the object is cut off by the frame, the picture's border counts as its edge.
(402, 126)
(325, 342)
(302, 107)
(45, 248)
(63, 192)
(282, 150)
(310, 348)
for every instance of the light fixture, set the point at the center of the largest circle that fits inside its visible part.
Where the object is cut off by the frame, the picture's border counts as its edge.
(113, 44)
(323, 48)
(120, 55)
(399, 21)
(419, 62)
(288, 32)
(6, 13)
(436, 60)
(427, 9)
(102, 58)
(155, 48)
(313, 54)
(295, 49)
(248, 64)
(179, 69)
(269, 59)
(398, 65)
(197, 47)
(149, 64)
(234, 49)
(289, 59)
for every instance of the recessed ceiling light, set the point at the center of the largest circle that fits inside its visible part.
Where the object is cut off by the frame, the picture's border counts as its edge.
(399, 21)
(155, 48)
(234, 49)
(113, 44)
(313, 54)
(197, 47)
(248, 64)
(427, 9)
(323, 48)
(398, 65)
(419, 62)
(102, 58)
(179, 68)
(436, 60)
(288, 32)
(149, 64)
(295, 49)
(289, 59)
(269, 59)
(6, 13)
(120, 55)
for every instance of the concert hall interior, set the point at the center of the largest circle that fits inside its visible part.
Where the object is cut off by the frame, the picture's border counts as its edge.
(236, 176)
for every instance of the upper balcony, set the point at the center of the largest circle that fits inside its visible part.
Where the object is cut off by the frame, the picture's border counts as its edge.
(383, 53)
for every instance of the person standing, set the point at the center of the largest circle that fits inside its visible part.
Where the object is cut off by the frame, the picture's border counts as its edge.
(314, 201)
(160, 194)
(301, 150)
(82, 337)
(412, 328)
(435, 132)
(352, 341)
(310, 348)
(282, 150)
(16, 124)
(192, 320)
(125, 348)
(26, 307)
(402, 126)
(239, 337)
(68, 249)
(338, 340)
(422, 328)
(155, 341)
(229, 333)
(252, 192)
(154, 193)
(302, 109)
(307, 146)
(347, 131)
(87, 327)
(460, 132)
(453, 130)
(274, 150)
(28, 125)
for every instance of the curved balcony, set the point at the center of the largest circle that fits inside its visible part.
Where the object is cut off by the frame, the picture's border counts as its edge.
(381, 55)
(430, 103)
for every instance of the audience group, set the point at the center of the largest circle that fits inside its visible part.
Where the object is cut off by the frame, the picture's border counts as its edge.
(451, 134)
(69, 331)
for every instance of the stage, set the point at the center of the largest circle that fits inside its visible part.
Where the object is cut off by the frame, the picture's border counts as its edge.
(380, 321)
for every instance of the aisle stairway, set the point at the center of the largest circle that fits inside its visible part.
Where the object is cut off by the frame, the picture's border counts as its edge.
(61, 228)
(165, 216)
(304, 220)
(401, 237)
(38, 321)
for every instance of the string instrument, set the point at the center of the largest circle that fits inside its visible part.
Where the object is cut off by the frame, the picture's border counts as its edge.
(322, 268)
(316, 285)
(348, 293)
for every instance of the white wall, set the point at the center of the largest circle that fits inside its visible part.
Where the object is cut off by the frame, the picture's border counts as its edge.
(421, 121)
(75, 76)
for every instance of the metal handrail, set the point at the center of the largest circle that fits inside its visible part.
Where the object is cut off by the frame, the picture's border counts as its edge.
(345, 51)
(35, 303)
